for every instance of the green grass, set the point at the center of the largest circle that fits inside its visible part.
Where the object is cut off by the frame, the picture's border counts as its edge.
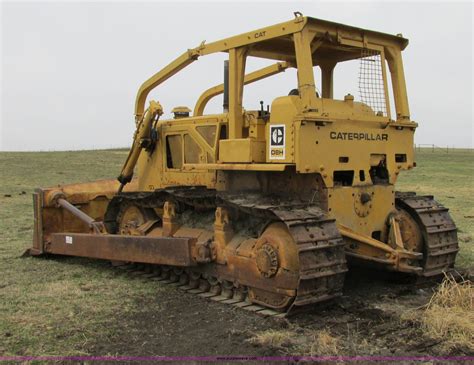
(55, 306)
(62, 306)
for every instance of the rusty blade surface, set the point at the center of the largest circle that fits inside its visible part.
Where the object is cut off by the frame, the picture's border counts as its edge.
(151, 250)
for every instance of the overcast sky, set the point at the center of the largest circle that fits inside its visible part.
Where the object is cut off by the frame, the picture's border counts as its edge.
(70, 71)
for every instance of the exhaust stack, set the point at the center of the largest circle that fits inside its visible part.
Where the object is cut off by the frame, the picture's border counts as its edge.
(226, 86)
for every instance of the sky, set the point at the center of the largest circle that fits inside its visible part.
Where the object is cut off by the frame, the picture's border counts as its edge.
(70, 71)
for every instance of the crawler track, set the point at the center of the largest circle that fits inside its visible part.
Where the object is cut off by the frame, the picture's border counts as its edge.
(438, 229)
(195, 284)
(320, 247)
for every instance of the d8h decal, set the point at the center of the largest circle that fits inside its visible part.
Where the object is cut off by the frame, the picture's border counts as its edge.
(277, 142)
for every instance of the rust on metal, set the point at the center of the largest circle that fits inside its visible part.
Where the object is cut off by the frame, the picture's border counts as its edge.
(95, 226)
(151, 250)
(262, 207)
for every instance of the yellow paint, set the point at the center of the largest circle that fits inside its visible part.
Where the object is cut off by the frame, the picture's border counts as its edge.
(352, 150)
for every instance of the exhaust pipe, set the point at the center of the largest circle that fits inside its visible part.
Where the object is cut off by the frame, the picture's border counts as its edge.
(226, 86)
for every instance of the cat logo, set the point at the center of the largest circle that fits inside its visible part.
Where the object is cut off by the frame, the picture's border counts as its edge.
(278, 136)
(277, 142)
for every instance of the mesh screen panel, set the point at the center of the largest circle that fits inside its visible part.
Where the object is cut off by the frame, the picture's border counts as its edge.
(371, 83)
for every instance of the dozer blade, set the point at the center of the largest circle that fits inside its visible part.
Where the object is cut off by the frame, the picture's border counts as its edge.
(149, 250)
(90, 198)
(68, 221)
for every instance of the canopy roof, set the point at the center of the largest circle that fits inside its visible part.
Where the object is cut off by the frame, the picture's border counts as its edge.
(332, 41)
(335, 41)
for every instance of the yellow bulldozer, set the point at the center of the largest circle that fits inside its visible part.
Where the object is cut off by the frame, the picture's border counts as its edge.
(264, 208)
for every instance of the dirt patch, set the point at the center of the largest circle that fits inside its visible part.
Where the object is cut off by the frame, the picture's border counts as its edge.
(174, 323)
(367, 320)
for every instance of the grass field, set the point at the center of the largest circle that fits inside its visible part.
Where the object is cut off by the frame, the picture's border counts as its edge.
(66, 306)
